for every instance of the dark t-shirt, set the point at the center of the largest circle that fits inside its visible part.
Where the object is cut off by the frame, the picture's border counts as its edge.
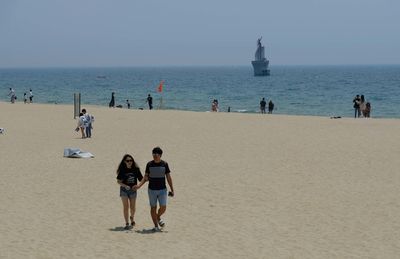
(130, 177)
(156, 173)
(263, 103)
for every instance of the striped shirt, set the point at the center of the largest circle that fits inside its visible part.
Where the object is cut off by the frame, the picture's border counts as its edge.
(156, 173)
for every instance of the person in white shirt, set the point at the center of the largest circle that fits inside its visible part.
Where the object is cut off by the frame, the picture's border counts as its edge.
(12, 95)
(30, 96)
(81, 124)
(89, 121)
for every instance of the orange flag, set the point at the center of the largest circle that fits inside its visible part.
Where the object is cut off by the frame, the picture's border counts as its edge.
(160, 86)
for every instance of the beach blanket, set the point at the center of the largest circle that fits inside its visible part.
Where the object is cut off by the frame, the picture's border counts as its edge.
(76, 153)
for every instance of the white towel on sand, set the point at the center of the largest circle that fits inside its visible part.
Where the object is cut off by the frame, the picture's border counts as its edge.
(76, 153)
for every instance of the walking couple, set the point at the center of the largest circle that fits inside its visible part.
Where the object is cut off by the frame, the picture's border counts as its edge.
(130, 180)
(85, 124)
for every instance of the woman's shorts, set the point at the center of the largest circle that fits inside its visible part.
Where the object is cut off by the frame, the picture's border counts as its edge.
(127, 193)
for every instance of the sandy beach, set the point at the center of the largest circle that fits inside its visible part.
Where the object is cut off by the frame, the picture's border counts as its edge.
(246, 185)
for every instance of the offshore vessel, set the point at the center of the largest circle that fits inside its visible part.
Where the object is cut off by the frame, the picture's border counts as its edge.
(260, 64)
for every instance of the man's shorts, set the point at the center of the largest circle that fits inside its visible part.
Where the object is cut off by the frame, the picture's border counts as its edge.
(127, 193)
(157, 195)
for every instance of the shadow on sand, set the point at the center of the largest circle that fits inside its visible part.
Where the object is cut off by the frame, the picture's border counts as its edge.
(120, 229)
(149, 231)
(143, 231)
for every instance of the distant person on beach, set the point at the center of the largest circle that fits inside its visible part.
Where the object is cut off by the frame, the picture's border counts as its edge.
(25, 98)
(81, 124)
(362, 105)
(214, 105)
(367, 110)
(356, 106)
(270, 106)
(30, 96)
(112, 102)
(12, 95)
(263, 104)
(89, 119)
(128, 174)
(156, 172)
(128, 104)
(150, 101)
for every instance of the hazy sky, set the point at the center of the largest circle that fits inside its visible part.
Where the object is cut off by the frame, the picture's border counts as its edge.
(47, 33)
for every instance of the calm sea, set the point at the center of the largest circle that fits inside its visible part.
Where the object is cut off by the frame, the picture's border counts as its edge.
(297, 90)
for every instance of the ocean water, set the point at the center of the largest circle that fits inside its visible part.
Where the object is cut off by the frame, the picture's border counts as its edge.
(295, 90)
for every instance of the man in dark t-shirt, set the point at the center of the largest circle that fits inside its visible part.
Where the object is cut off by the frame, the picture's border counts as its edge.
(150, 101)
(156, 172)
(263, 103)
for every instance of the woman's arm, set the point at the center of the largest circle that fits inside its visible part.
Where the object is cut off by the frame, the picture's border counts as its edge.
(144, 179)
(123, 185)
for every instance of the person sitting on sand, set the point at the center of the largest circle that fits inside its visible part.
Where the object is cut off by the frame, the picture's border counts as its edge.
(128, 174)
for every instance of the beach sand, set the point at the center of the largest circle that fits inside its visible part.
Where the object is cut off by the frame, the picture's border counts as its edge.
(246, 185)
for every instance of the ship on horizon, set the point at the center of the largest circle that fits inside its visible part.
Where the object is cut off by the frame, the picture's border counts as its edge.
(260, 64)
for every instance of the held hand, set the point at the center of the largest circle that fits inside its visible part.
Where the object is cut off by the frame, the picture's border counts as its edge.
(135, 187)
(171, 194)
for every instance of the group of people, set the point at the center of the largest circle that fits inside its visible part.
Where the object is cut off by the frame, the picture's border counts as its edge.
(130, 179)
(361, 107)
(263, 105)
(111, 104)
(13, 96)
(85, 124)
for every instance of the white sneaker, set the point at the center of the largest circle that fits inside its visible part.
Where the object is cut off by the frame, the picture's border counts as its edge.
(161, 223)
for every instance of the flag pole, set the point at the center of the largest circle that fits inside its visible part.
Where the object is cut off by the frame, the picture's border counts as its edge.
(160, 90)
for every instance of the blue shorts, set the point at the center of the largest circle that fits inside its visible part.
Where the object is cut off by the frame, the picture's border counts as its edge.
(127, 193)
(157, 195)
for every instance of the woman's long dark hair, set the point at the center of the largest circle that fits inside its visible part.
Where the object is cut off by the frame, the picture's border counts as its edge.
(122, 166)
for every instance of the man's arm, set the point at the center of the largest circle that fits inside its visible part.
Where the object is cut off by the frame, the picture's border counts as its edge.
(171, 186)
(144, 179)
